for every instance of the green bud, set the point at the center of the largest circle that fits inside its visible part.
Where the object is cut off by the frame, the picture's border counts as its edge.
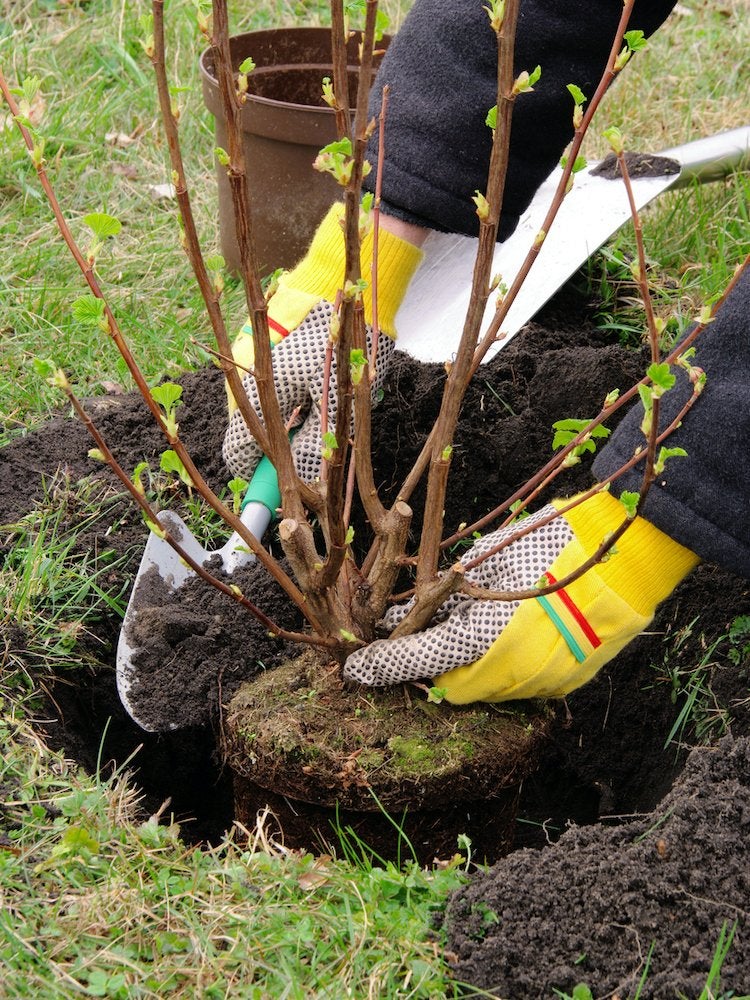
(328, 95)
(483, 206)
(496, 13)
(330, 444)
(611, 398)
(357, 362)
(525, 81)
(613, 135)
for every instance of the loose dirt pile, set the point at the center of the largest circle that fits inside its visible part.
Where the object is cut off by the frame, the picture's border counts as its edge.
(590, 907)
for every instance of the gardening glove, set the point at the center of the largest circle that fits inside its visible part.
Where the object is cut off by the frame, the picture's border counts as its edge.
(547, 646)
(299, 315)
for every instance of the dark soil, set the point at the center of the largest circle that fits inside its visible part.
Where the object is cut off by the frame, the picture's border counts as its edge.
(638, 165)
(600, 763)
(590, 907)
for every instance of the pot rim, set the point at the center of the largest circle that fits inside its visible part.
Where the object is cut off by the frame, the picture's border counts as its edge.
(210, 80)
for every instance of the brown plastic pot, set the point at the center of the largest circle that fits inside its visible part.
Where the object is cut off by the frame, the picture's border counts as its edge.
(284, 125)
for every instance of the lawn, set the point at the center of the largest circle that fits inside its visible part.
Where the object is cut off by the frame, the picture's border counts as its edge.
(98, 898)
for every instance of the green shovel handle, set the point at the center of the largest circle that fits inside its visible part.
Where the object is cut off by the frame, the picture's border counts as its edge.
(264, 487)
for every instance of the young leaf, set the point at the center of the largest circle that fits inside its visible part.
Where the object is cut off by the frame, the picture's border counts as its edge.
(614, 137)
(525, 81)
(496, 14)
(629, 500)
(577, 94)
(246, 66)
(215, 262)
(328, 95)
(339, 146)
(634, 40)
(330, 444)
(567, 429)
(581, 992)
(168, 395)
(663, 457)
(237, 486)
(170, 461)
(661, 377)
(137, 478)
(88, 309)
(611, 397)
(102, 225)
(43, 367)
(580, 163)
(491, 118)
(357, 362)
(483, 206)
(349, 535)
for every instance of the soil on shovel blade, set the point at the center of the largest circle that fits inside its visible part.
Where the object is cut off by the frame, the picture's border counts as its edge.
(606, 888)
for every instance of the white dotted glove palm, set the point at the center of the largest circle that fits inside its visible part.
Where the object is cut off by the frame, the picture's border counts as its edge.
(466, 628)
(298, 372)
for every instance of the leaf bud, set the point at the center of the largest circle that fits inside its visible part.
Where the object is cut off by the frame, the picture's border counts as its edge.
(483, 206)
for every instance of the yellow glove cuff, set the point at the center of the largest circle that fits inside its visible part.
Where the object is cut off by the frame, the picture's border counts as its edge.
(554, 644)
(320, 274)
(645, 565)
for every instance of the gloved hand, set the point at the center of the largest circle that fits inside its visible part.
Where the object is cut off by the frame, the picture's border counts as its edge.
(544, 647)
(299, 316)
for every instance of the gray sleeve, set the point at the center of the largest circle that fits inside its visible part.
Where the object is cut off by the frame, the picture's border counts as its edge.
(703, 501)
(441, 68)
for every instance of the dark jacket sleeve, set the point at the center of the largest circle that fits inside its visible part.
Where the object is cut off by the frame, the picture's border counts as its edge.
(703, 500)
(441, 67)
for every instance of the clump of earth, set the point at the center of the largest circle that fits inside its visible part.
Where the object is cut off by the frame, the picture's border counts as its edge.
(617, 844)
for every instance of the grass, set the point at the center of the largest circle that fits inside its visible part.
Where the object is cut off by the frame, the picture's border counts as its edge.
(689, 666)
(687, 83)
(98, 899)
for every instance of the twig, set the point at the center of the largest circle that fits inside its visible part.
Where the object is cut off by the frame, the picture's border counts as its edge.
(113, 329)
(376, 231)
(191, 242)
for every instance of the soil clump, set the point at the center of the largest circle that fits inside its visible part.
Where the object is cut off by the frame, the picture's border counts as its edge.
(333, 749)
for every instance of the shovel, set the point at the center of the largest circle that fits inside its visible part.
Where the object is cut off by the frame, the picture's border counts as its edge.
(259, 505)
(430, 320)
(431, 316)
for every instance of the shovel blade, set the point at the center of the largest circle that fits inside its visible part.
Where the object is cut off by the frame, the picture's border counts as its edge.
(432, 314)
(161, 559)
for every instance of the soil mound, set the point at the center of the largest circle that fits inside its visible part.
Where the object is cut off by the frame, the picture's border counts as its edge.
(591, 907)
